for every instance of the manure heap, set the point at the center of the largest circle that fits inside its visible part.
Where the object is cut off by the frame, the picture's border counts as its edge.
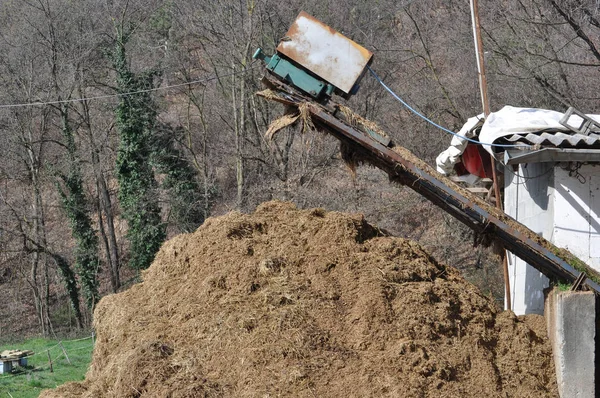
(308, 303)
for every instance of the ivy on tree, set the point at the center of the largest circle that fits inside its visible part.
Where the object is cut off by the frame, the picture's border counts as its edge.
(75, 205)
(136, 121)
(184, 193)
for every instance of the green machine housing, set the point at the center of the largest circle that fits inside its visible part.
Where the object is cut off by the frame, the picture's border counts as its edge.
(295, 75)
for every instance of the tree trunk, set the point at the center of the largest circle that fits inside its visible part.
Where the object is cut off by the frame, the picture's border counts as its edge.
(106, 224)
(39, 292)
(239, 139)
(108, 229)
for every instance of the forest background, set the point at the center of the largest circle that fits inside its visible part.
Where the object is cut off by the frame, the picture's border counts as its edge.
(125, 122)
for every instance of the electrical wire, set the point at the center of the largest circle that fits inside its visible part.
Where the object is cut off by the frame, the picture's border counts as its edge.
(524, 178)
(41, 352)
(72, 341)
(97, 97)
(434, 123)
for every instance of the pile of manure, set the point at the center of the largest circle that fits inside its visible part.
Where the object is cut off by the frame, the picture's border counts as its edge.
(286, 302)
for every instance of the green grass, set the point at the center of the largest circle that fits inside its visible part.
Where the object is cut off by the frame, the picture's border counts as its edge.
(28, 382)
(576, 263)
(563, 287)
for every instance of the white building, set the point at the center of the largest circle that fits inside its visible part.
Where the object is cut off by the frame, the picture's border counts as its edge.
(551, 166)
(561, 202)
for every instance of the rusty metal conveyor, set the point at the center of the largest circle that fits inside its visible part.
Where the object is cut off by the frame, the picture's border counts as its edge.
(405, 168)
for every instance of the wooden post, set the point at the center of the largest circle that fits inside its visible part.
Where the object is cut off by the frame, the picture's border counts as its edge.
(64, 352)
(479, 55)
(502, 253)
(50, 362)
(486, 111)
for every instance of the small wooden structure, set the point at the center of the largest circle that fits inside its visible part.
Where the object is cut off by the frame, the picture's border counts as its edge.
(10, 359)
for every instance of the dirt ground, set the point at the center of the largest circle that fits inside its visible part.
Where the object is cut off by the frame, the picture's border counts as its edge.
(308, 303)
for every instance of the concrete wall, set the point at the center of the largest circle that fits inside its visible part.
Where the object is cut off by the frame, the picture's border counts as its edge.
(571, 321)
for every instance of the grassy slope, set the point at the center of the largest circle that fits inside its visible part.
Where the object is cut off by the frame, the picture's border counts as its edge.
(28, 382)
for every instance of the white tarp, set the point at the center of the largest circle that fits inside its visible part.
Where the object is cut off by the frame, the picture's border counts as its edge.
(508, 121)
(446, 160)
(511, 120)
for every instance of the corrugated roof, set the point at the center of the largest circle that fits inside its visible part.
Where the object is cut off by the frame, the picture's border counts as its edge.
(557, 139)
(538, 128)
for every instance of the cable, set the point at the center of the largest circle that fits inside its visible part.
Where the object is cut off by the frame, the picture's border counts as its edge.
(81, 348)
(208, 79)
(41, 352)
(527, 178)
(71, 341)
(434, 123)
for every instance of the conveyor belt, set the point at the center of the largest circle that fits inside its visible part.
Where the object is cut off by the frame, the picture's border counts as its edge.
(403, 167)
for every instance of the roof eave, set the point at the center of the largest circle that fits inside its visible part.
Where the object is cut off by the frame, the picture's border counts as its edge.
(555, 155)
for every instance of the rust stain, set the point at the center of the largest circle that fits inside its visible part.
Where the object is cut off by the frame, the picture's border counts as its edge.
(293, 31)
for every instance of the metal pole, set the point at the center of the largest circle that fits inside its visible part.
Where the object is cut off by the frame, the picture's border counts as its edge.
(486, 111)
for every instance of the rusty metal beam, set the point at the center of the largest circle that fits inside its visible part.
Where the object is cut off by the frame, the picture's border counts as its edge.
(473, 214)
(479, 216)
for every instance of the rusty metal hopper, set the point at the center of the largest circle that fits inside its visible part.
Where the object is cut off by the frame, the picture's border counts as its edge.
(325, 52)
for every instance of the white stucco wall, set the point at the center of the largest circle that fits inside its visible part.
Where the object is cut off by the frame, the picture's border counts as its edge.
(595, 216)
(529, 198)
(576, 218)
(561, 205)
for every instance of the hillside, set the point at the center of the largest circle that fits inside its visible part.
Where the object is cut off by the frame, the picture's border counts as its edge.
(127, 122)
